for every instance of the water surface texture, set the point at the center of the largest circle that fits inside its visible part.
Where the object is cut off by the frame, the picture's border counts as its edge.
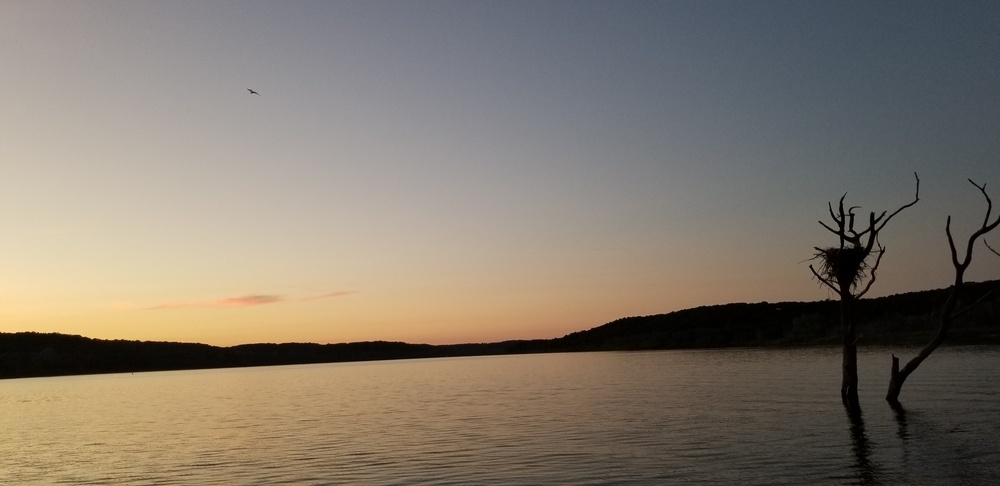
(668, 417)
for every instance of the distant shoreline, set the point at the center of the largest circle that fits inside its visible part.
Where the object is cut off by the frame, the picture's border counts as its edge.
(904, 320)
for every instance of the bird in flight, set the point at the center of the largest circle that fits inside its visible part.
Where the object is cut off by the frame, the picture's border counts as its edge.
(253, 92)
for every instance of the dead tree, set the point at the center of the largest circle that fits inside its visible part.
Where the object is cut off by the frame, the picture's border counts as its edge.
(849, 271)
(950, 309)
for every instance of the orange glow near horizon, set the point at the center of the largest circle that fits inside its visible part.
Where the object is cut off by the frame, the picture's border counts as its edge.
(478, 174)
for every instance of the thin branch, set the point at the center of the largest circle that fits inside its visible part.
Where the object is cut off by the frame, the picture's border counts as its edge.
(825, 281)
(916, 197)
(989, 202)
(829, 228)
(986, 228)
(871, 230)
(995, 252)
(879, 218)
(829, 206)
(871, 280)
(951, 243)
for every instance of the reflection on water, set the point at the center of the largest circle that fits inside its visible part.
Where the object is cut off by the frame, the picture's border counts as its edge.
(720, 417)
(900, 413)
(868, 471)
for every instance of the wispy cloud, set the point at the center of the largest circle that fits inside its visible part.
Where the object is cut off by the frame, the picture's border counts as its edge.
(228, 302)
(248, 300)
(173, 305)
(245, 301)
(330, 295)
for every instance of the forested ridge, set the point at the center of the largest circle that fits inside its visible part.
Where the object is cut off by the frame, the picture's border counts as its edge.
(901, 319)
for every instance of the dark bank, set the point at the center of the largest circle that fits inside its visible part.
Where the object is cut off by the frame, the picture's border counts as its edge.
(902, 319)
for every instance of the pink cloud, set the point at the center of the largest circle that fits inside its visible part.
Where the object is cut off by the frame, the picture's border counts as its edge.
(247, 300)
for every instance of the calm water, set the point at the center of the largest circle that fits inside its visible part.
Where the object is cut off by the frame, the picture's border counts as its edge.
(669, 417)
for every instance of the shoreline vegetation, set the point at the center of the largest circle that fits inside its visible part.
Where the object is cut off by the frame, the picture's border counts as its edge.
(900, 320)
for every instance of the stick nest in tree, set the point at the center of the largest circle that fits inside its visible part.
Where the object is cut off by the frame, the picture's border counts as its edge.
(842, 264)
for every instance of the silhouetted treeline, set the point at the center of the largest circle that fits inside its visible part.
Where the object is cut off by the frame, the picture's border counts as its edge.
(30, 354)
(900, 319)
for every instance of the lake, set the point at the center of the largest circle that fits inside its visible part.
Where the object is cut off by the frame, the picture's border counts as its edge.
(736, 416)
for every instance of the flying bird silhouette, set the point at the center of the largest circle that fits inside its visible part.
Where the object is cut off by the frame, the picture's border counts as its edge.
(253, 92)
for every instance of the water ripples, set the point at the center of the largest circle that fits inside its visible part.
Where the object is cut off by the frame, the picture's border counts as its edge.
(719, 417)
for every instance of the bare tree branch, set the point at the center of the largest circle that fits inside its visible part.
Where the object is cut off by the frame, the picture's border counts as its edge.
(821, 279)
(916, 197)
(951, 243)
(989, 202)
(829, 228)
(829, 206)
(995, 252)
(881, 251)
(985, 228)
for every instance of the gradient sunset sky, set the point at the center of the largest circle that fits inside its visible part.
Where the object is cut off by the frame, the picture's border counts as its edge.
(472, 171)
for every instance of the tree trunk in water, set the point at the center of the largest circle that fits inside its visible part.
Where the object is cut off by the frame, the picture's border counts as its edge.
(948, 313)
(898, 376)
(849, 381)
(895, 383)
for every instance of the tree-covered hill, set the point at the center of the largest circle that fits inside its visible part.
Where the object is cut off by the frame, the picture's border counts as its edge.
(909, 318)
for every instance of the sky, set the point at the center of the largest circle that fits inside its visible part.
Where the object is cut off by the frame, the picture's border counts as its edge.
(473, 171)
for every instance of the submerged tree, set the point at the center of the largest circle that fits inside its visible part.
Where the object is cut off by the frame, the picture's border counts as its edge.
(848, 269)
(950, 310)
